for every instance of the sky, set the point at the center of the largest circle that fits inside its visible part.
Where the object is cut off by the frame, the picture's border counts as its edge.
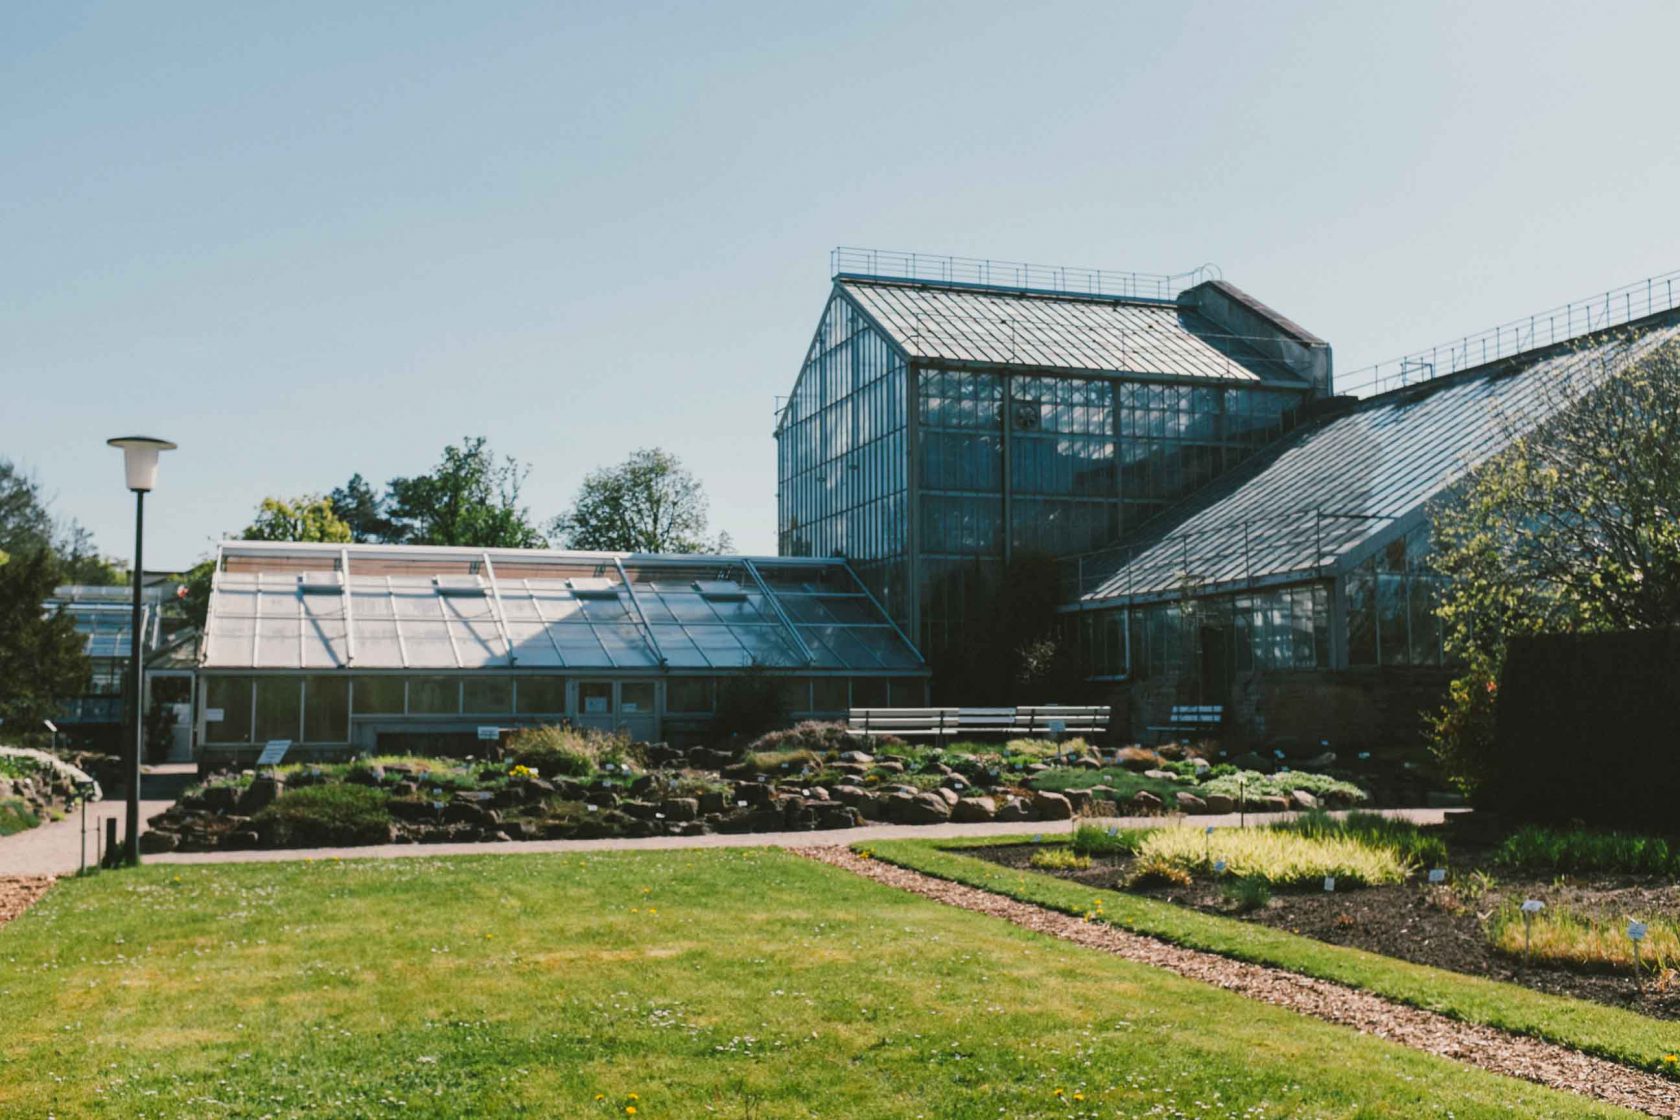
(305, 241)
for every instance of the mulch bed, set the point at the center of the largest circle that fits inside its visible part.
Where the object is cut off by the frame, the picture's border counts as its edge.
(1408, 921)
(19, 892)
(1485, 1047)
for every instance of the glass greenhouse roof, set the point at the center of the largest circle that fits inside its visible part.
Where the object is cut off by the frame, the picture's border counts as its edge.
(102, 616)
(290, 606)
(1097, 334)
(1310, 506)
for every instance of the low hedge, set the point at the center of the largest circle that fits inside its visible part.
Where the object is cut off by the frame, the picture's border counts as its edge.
(326, 815)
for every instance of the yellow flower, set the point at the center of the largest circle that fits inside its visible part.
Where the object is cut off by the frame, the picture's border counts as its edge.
(1058, 1093)
(1079, 1096)
(631, 1097)
(600, 1096)
(1671, 1058)
(629, 1110)
(653, 910)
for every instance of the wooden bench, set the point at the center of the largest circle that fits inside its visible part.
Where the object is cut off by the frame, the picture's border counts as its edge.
(1192, 718)
(939, 723)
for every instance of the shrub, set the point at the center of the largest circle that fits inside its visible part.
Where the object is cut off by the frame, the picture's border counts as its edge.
(1059, 859)
(1547, 849)
(1156, 871)
(1574, 939)
(784, 761)
(1252, 783)
(822, 738)
(1418, 847)
(325, 815)
(1278, 858)
(1247, 894)
(573, 752)
(1092, 840)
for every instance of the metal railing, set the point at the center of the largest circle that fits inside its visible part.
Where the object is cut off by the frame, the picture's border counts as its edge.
(891, 264)
(1182, 564)
(1611, 309)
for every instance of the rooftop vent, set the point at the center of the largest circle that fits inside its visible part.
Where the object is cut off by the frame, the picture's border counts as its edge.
(592, 587)
(720, 590)
(319, 583)
(455, 587)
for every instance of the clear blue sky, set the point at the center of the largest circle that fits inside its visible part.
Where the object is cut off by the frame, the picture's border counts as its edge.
(308, 240)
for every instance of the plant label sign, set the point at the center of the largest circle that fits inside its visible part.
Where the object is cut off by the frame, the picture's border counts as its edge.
(1058, 727)
(1437, 874)
(1208, 831)
(1219, 867)
(1636, 932)
(1329, 884)
(214, 715)
(273, 751)
(1533, 906)
(489, 734)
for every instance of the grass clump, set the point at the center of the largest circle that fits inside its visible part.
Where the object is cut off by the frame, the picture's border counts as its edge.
(1157, 871)
(1280, 859)
(15, 817)
(782, 761)
(1417, 846)
(555, 750)
(1577, 849)
(1059, 859)
(1587, 941)
(1094, 840)
(323, 815)
(1123, 782)
(1247, 894)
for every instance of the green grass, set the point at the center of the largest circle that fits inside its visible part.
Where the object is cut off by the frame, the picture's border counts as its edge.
(1575, 849)
(1059, 859)
(1610, 1032)
(15, 817)
(326, 815)
(1419, 847)
(737, 984)
(1095, 840)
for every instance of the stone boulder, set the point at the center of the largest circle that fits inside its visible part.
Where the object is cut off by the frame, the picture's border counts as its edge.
(159, 840)
(1219, 803)
(971, 810)
(1047, 806)
(1190, 803)
(1137, 758)
(925, 808)
(1080, 799)
(260, 794)
(1015, 809)
(1270, 804)
(1144, 803)
(1301, 799)
(680, 808)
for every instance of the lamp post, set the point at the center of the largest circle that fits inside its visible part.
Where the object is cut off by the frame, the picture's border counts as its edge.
(140, 459)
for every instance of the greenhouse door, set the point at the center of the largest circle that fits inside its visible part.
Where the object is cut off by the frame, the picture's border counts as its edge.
(595, 706)
(638, 714)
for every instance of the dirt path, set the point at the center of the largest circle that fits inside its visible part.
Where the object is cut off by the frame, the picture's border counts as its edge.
(19, 892)
(1513, 1055)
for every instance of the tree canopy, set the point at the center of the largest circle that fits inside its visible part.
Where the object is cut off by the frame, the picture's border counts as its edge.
(306, 518)
(648, 503)
(471, 498)
(42, 660)
(1574, 527)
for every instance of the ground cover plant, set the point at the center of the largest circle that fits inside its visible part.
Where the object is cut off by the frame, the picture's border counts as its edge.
(1608, 1031)
(1418, 847)
(675, 984)
(327, 815)
(16, 817)
(1241, 785)
(1577, 849)
(1277, 858)
(1583, 939)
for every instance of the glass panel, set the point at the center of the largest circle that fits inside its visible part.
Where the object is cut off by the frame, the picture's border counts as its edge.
(379, 696)
(278, 700)
(326, 709)
(487, 694)
(830, 695)
(595, 698)
(907, 693)
(434, 696)
(541, 695)
(635, 697)
(796, 695)
(689, 694)
(869, 692)
(232, 697)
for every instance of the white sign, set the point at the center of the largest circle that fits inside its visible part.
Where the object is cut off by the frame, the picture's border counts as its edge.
(632, 706)
(490, 734)
(1329, 883)
(1219, 867)
(213, 715)
(1437, 874)
(1058, 727)
(273, 751)
(1636, 931)
(595, 705)
(51, 726)
(1533, 906)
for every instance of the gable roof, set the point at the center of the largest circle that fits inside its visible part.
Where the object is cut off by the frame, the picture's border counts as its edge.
(981, 325)
(1325, 495)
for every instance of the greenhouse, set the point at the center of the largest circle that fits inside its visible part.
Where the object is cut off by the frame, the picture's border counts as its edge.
(378, 647)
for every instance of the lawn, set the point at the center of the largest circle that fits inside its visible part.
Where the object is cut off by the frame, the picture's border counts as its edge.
(747, 984)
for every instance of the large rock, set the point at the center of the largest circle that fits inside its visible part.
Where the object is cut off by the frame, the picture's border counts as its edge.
(970, 810)
(1301, 799)
(926, 808)
(756, 794)
(1015, 809)
(1080, 799)
(680, 808)
(1190, 803)
(949, 796)
(260, 794)
(1268, 804)
(1049, 806)
(1137, 758)
(1161, 775)
(159, 840)
(1144, 803)
(1219, 803)
(857, 758)
(221, 799)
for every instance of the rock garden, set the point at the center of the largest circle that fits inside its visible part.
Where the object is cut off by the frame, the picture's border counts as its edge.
(1571, 912)
(38, 786)
(557, 782)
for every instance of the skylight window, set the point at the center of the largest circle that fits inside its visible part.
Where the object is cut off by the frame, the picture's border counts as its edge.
(458, 586)
(720, 590)
(593, 587)
(319, 583)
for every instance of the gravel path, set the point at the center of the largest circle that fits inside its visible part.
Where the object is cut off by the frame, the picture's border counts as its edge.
(19, 892)
(1513, 1055)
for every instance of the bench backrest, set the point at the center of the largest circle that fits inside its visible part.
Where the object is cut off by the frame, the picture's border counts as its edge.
(1067, 719)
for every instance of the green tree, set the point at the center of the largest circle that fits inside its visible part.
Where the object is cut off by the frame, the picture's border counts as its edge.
(306, 518)
(25, 523)
(1574, 527)
(42, 659)
(471, 498)
(363, 509)
(648, 503)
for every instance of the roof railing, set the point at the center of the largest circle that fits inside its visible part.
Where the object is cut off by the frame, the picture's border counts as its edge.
(1614, 308)
(893, 264)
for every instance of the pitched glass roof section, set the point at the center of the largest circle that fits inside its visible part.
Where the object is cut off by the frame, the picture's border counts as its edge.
(1155, 338)
(102, 615)
(1311, 506)
(431, 609)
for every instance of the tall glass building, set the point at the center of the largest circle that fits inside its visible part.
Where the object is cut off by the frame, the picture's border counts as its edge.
(952, 415)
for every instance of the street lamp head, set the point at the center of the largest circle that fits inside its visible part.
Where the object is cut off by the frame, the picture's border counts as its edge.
(140, 458)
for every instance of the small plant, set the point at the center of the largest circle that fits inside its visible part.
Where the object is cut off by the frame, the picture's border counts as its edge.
(1418, 846)
(1247, 894)
(572, 752)
(1576, 849)
(1094, 840)
(1251, 784)
(1281, 858)
(1059, 859)
(326, 814)
(1157, 871)
(1559, 935)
